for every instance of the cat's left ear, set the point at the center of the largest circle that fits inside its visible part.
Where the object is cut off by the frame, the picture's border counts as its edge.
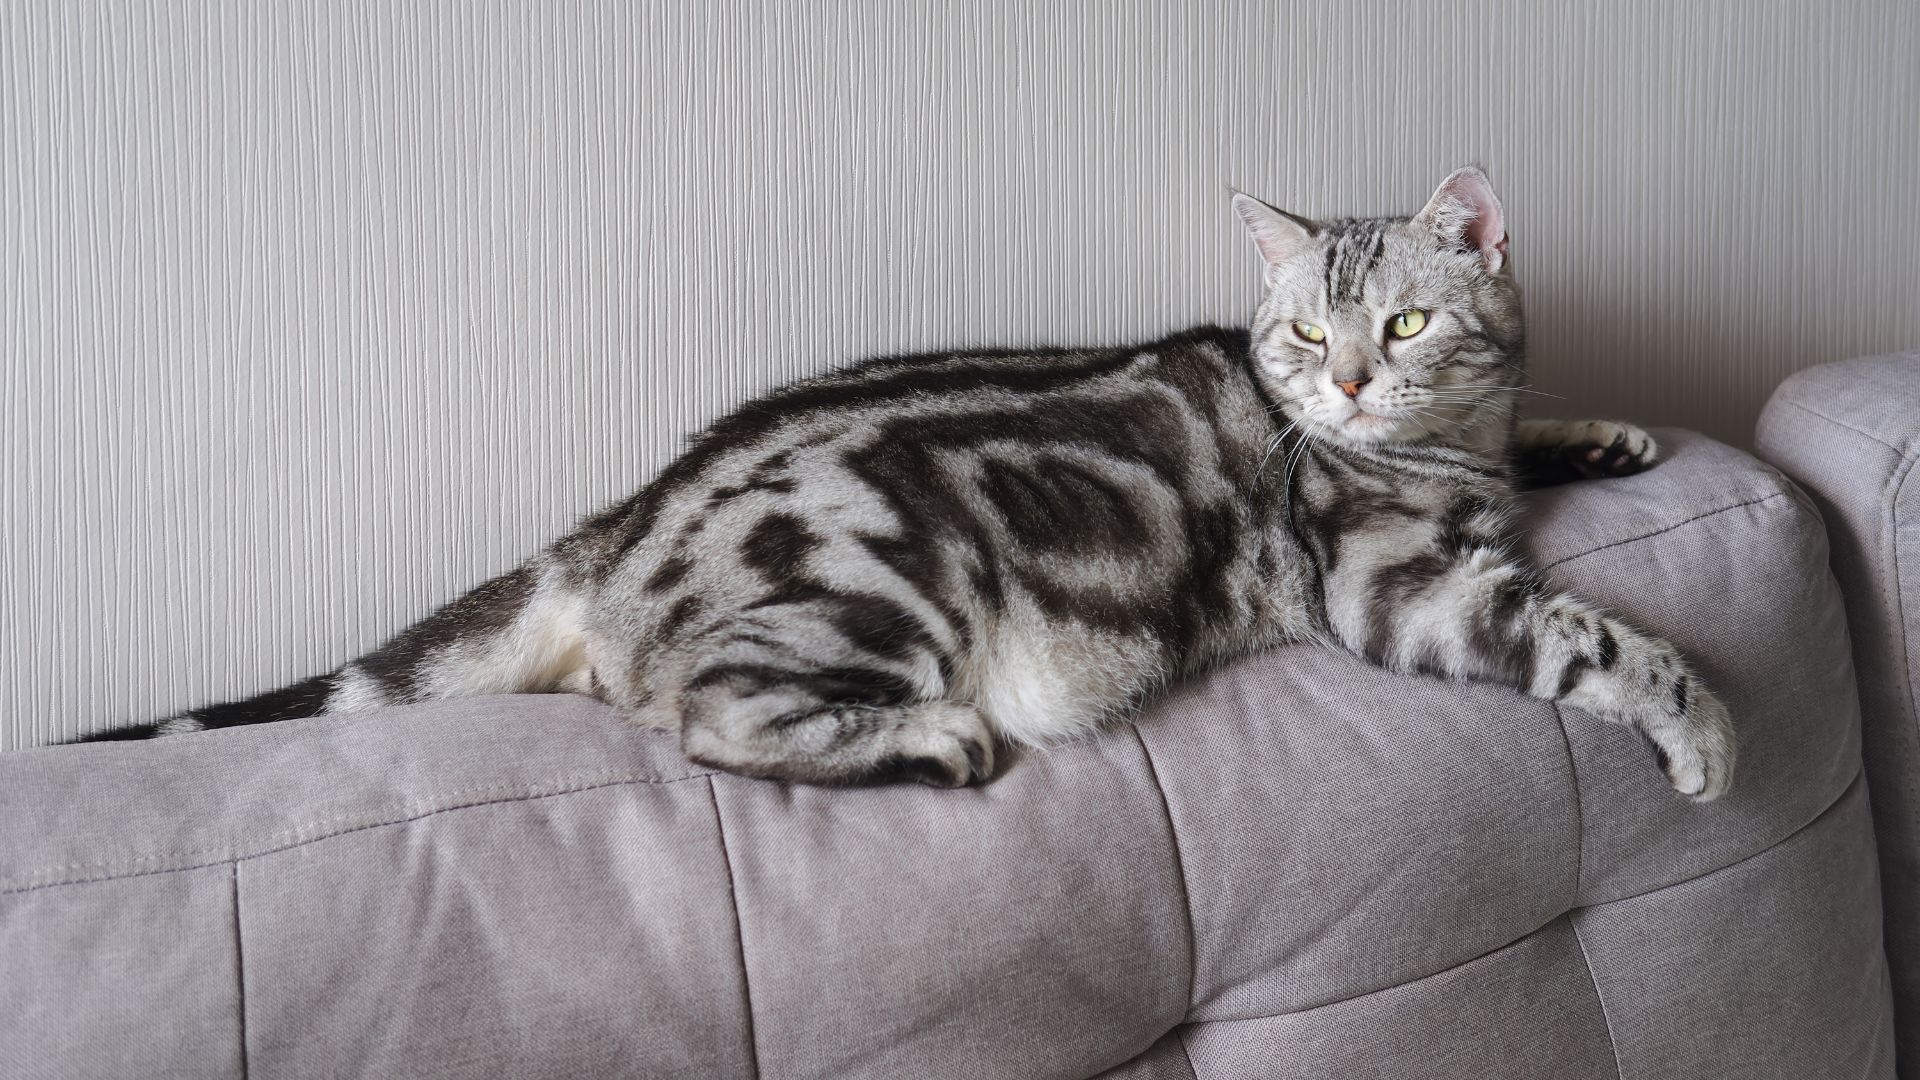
(1464, 214)
(1279, 235)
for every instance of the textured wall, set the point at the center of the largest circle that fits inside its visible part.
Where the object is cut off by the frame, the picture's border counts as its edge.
(313, 315)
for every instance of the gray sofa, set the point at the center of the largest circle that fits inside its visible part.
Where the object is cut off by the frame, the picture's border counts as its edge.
(1295, 867)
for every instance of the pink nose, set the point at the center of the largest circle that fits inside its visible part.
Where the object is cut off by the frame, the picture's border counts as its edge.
(1352, 387)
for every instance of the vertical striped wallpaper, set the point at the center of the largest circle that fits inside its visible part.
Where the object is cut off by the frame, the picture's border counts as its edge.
(314, 314)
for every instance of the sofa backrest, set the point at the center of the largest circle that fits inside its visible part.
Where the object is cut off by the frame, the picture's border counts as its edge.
(1849, 433)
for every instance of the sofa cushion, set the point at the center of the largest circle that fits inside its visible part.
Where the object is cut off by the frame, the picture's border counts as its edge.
(1526, 1009)
(1727, 559)
(1850, 434)
(1343, 829)
(1681, 981)
(526, 886)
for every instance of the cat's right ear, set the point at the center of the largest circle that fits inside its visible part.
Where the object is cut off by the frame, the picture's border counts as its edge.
(1279, 235)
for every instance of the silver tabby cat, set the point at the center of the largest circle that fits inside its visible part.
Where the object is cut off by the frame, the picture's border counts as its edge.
(892, 570)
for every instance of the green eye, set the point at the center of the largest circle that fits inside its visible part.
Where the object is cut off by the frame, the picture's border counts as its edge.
(1309, 332)
(1407, 323)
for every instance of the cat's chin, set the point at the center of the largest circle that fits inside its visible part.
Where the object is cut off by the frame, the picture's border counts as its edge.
(1371, 429)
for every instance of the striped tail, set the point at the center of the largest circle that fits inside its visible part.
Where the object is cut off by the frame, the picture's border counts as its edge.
(518, 633)
(305, 698)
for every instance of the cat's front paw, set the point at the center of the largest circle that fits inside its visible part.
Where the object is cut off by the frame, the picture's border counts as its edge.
(1697, 747)
(1599, 448)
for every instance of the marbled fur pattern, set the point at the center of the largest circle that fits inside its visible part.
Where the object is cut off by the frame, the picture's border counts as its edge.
(894, 569)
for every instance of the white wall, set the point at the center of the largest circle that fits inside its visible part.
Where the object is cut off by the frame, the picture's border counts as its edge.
(313, 315)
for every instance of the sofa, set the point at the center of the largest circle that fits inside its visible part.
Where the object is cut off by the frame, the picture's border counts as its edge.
(1296, 866)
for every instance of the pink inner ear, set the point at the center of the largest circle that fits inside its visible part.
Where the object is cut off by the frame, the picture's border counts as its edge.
(1486, 230)
(1487, 233)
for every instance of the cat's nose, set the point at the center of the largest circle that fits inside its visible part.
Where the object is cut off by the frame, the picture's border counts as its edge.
(1351, 387)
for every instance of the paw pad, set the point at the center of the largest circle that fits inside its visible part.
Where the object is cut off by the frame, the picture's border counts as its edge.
(1610, 450)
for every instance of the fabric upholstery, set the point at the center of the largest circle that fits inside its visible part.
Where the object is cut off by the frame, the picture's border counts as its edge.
(1044, 905)
(1755, 969)
(1849, 433)
(1526, 1009)
(130, 976)
(1298, 865)
(1164, 1060)
(603, 931)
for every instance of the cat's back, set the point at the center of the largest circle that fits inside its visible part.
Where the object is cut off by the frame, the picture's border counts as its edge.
(900, 427)
(1200, 363)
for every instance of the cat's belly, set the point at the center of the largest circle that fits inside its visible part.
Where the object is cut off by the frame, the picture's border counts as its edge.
(1041, 677)
(1040, 681)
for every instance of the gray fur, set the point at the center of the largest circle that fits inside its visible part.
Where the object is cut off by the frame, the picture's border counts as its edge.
(891, 570)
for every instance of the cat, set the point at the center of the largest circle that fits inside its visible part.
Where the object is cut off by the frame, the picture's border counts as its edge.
(896, 569)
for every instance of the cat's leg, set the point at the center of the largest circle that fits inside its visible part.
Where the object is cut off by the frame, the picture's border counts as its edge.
(783, 695)
(1476, 614)
(785, 733)
(1549, 452)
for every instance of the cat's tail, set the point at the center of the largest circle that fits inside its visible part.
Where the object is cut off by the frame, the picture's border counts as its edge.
(518, 633)
(307, 697)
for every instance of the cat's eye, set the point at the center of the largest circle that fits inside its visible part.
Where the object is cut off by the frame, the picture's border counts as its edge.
(1309, 332)
(1407, 323)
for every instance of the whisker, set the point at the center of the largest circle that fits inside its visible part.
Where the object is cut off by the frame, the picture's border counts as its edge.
(1293, 460)
(1271, 447)
(1477, 389)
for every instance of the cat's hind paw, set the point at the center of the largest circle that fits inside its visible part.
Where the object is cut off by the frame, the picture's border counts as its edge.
(946, 744)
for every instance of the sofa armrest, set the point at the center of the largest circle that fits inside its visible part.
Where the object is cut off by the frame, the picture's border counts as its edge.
(1849, 434)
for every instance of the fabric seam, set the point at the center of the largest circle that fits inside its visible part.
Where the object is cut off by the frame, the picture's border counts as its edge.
(1179, 868)
(277, 848)
(506, 792)
(1810, 411)
(240, 970)
(1856, 780)
(1579, 810)
(1665, 529)
(739, 927)
(1912, 726)
(1606, 1015)
(1567, 914)
(1186, 1050)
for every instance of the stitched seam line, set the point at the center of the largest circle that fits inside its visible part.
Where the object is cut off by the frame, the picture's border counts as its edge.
(1186, 1050)
(739, 928)
(1843, 424)
(527, 797)
(1449, 969)
(240, 970)
(1859, 775)
(1665, 529)
(1702, 876)
(448, 801)
(1606, 1018)
(1179, 867)
(1909, 783)
(1579, 811)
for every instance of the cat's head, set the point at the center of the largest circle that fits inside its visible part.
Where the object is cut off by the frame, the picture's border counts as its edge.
(1380, 330)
